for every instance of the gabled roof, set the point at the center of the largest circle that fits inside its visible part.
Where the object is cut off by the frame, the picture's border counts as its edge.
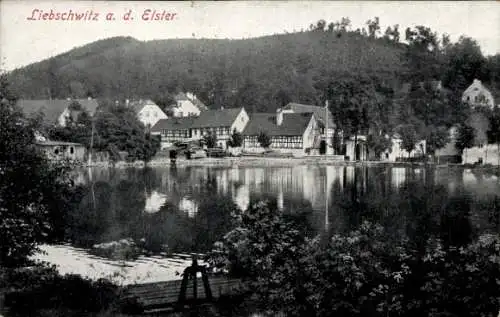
(137, 105)
(52, 109)
(319, 112)
(294, 124)
(173, 124)
(184, 97)
(217, 118)
(198, 103)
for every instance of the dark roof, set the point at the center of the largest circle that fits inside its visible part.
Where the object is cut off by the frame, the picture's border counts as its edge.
(54, 108)
(198, 103)
(137, 105)
(319, 112)
(173, 124)
(217, 118)
(294, 124)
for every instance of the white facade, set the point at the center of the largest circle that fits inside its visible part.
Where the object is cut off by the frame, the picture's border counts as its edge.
(240, 122)
(478, 95)
(150, 114)
(185, 108)
(397, 150)
(487, 154)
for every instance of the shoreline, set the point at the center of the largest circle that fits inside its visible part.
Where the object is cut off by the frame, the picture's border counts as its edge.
(256, 161)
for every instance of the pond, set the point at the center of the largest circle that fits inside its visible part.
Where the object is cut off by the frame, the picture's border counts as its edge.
(170, 211)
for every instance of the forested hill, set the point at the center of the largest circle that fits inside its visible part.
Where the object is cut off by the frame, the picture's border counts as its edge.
(261, 73)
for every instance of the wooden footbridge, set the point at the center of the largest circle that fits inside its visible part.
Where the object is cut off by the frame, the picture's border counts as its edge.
(179, 295)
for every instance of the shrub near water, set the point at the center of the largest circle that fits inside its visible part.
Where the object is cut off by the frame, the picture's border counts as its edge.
(41, 287)
(363, 273)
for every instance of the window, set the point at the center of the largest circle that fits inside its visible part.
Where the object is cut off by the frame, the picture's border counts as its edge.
(56, 151)
(71, 150)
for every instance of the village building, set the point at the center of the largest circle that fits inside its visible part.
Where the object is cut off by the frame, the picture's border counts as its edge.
(221, 122)
(59, 112)
(356, 149)
(324, 118)
(60, 151)
(478, 95)
(148, 112)
(292, 133)
(397, 152)
(187, 105)
(173, 130)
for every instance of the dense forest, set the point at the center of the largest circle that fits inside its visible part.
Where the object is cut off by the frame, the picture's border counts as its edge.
(376, 80)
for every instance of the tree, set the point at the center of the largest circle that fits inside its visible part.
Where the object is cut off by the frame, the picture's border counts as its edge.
(320, 25)
(264, 140)
(236, 139)
(465, 137)
(464, 62)
(373, 27)
(210, 139)
(353, 99)
(118, 129)
(378, 143)
(409, 137)
(494, 131)
(32, 190)
(436, 138)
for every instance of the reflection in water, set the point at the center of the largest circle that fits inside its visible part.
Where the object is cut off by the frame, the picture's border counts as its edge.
(154, 202)
(188, 209)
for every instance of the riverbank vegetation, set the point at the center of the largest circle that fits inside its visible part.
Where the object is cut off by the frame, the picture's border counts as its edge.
(364, 272)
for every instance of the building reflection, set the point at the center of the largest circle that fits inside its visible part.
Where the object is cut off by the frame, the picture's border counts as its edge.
(154, 202)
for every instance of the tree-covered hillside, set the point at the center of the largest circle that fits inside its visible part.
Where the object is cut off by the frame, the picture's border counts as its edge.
(262, 72)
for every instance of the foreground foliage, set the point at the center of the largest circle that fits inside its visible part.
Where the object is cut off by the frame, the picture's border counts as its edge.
(33, 193)
(41, 287)
(363, 273)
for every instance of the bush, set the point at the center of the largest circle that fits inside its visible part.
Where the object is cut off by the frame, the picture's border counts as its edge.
(42, 287)
(362, 273)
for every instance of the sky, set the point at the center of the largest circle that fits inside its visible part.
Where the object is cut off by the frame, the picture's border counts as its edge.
(26, 38)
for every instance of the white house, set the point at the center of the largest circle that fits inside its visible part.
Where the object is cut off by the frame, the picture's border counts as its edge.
(478, 95)
(147, 112)
(187, 105)
(397, 150)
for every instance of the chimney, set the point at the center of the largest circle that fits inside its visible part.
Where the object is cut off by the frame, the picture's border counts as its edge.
(279, 116)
